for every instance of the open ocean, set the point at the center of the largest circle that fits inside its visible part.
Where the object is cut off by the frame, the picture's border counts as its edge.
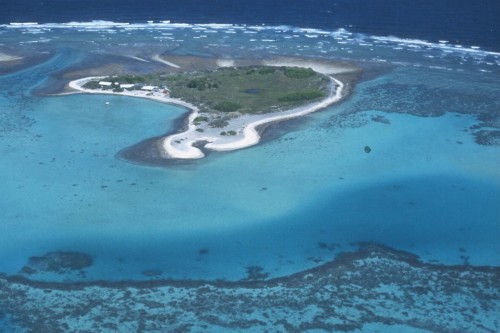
(427, 106)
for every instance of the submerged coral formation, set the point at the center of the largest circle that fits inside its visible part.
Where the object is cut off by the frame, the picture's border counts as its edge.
(374, 285)
(58, 262)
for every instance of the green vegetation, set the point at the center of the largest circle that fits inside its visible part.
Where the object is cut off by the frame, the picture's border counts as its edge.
(219, 122)
(299, 72)
(299, 96)
(227, 106)
(267, 70)
(245, 90)
(229, 133)
(129, 79)
(203, 83)
(199, 119)
(92, 85)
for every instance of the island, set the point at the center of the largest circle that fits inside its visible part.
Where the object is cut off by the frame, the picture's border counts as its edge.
(227, 104)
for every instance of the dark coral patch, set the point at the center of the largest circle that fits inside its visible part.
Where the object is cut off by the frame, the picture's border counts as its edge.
(487, 138)
(58, 262)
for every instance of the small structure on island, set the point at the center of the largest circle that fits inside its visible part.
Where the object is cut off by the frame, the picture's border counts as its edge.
(166, 92)
(149, 88)
(127, 85)
(105, 84)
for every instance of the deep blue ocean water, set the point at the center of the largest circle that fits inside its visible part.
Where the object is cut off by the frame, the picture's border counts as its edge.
(461, 22)
(426, 187)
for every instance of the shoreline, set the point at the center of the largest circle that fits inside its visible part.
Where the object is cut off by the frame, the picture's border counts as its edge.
(193, 110)
(183, 145)
(252, 137)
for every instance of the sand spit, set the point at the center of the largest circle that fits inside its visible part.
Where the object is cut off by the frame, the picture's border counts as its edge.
(183, 145)
(226, 63)
(318, 66)
(139, 59)
(163, 61)
(7, 58)
(191, 63)
(78, 85)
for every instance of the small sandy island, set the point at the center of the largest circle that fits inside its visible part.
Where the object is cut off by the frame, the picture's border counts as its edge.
(8, 58)
(183, 145)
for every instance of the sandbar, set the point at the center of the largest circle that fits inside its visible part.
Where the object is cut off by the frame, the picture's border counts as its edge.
(6, 57)
(157, 57)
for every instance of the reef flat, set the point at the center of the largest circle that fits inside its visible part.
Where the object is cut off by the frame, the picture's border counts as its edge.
(374, 285)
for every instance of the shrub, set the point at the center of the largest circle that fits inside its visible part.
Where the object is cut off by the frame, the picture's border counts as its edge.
(202, 83)
(299, 72)
(256, 273)
(218, 123)
(92, 85)
(299, 96)
(232, 133)
(227, 106)
(223, 133)
(172, 77)
(267, 70)
(200, 119)
(129, 79)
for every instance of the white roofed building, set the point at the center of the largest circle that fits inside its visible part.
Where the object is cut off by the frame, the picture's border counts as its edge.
(149, 88)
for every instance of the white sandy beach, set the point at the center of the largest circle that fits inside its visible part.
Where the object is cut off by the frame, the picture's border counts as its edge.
(181, 145)
(6, 57)
(249, 134)
(180, 151)
(157, 57)
(320, 67)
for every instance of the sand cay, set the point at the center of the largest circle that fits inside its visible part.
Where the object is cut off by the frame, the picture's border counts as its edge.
(181, 145)
(7, 58)
(185, 144)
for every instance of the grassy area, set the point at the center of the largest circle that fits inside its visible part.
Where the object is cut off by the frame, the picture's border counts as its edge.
(256, 89)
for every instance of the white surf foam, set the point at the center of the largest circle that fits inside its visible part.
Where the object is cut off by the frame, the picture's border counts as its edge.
(341, 35)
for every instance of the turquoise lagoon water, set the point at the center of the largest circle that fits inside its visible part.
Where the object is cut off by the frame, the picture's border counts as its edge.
(287, 204)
